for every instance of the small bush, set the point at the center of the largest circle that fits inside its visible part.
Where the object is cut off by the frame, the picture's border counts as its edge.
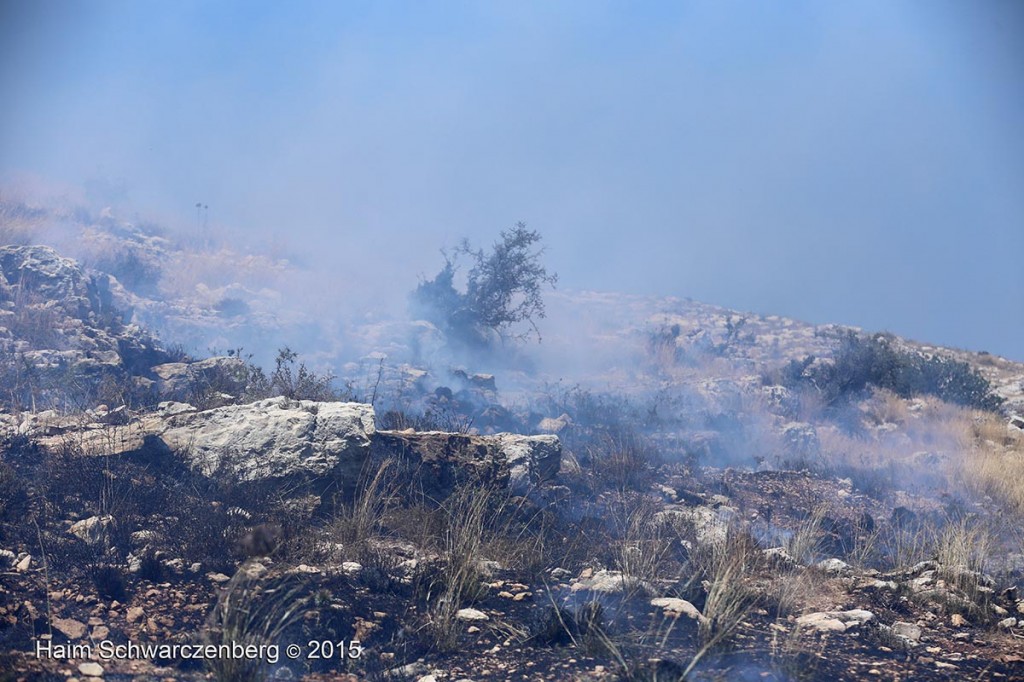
(875, 361)
(110, 582)
(296, 383)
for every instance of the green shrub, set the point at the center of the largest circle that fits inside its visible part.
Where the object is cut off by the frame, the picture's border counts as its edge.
(863, 361)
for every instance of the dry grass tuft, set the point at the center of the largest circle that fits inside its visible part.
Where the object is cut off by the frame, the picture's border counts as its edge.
(250, 614)
(887, 408)
(645, 543)
(993, 464)
(726, 566)
(458, 581)
(805, 543)
(363, 519)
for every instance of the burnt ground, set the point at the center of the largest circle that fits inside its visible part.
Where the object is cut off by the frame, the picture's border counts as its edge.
(559, 609)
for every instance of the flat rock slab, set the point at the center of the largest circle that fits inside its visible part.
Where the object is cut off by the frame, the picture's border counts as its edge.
(834, 621)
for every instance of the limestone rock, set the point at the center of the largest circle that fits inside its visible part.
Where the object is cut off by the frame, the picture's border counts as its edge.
(70, 628)
(471, 615)
(182, 381)
(801, 441)
(710, 525)
(907, 631)
(609, 582)
(834, 566)
(91, 669)
(93, 529)
(834, 621)
(675, 607)
(274, 438)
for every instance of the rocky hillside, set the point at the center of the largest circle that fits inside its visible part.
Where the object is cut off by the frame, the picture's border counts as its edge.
(663, 490)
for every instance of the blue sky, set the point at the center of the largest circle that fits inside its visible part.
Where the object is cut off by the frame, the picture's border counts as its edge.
(860, 163)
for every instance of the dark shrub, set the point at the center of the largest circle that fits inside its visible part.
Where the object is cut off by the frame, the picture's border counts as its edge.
(503, 289)
(862, 361)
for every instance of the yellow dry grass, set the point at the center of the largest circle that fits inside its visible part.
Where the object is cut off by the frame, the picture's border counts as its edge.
(993, 465)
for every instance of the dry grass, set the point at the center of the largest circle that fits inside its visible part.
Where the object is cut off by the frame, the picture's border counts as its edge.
(363, 519)
(888, 408)
(905, 547)
(645, 543)
(994, 462)
(923, 454)
(457, 582)
(963, 550)
(623, 461)
(805, 543)
(799, 591)
(19, 223)
(250, 614)
(726, 566)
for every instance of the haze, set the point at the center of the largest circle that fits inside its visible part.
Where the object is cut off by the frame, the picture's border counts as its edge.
(830, 162)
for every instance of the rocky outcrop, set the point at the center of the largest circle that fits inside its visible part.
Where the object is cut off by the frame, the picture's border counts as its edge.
(59, 322)
(519, 463)
(301, 441)
(40, 273)
(185, 381)
(309, 442)
(274, 439)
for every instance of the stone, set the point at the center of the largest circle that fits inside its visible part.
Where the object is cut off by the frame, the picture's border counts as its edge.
(92, 530)
(1010, 622)
(610, 582)
(554, 425)
(909, 632)
(675, 607)
(800, 441)
(70, 628)
(835, 621)
(471, 615)
(134, 614)
(710, 525)
(180, 381)
(779, 555)
(91, 669)
(834, 566)
(821, 622)
(518, 463)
